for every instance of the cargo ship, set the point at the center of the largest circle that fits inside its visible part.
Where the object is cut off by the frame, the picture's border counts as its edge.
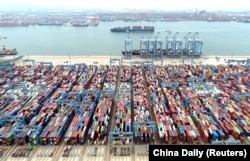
(170, 52)
(7, 52)
(138, 52)
(13, 24)
(81, 23)
(133, 29)
(50, 23)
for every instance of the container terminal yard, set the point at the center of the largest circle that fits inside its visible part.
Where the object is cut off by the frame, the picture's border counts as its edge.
(114, 111)
(115, 108)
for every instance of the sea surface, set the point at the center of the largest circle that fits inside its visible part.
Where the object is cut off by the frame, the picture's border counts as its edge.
(219, 38)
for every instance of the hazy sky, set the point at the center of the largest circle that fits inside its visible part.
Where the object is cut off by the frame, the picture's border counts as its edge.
(233, 5)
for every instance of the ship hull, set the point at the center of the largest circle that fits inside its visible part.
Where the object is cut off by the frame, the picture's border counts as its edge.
(133, 29)
(164, 53)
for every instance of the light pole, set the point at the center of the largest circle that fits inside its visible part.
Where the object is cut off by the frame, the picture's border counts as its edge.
(69, 59)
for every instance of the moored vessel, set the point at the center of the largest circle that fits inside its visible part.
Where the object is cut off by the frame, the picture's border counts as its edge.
(133, 29)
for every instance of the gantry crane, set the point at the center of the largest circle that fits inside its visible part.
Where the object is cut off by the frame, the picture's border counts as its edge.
(144, 46)
(193, 44)
(177, 44)
(158, 45)
(173, 45)
(128, 47)
(169, 44)
(151, 46)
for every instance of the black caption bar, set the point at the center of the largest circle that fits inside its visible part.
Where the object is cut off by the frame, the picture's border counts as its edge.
(199, 152)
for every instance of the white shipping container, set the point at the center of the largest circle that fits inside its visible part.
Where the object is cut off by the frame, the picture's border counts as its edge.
(92, 134)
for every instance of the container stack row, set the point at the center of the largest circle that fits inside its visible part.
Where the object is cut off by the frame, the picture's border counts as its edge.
(25, 134)
(56, 85)
(187, 131)
(80, 123)
(14, 107)
(235, 97)
(99, 129)
(50, 108)
(6, 134)
(188, 101)
(166, 129)
(125, 75)
(55, 130)
(99, 77)
(202, 104)
(18, 108)
(83, 104)
(41, 109)
(196, 106)
(111, 79)
(123, 106)
(85, 79)
(142, 124)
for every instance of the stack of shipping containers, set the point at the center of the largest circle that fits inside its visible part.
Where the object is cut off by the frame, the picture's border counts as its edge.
(84, 105)
(142, 126)
(99, 128)
(165, 125)
(61, 112)
(123, 105)
(46, 100)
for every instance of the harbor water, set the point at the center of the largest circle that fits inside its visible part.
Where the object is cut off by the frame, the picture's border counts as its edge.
(219, 38)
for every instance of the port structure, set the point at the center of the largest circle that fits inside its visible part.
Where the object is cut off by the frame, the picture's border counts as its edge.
(50, 64)
(174, 83)
(169, 44)
(9, 67)
(159, 47)
(128, 47)
(12, 85)
(144, 47)
(173, 45)
(80, 65)
(112, 61)
(239, 62)
(27, 129)
(126, 60)
(29, 62)
(69, 67)
(151, 46)
(193, 44)
(9, 119)
(191, 59)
